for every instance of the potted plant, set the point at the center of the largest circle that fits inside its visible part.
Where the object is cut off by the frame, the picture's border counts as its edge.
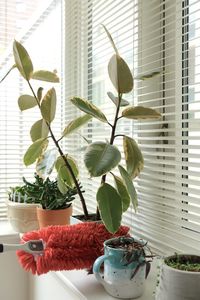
(102, 157)
(179, 278)
(39, 204)
(41, 131)
(126, 266)
(22, 216)
(55, 207)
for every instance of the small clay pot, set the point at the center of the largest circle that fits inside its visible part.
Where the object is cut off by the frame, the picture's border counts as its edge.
(48, 217)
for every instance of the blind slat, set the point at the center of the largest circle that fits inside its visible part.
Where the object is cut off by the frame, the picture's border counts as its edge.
(151, 36)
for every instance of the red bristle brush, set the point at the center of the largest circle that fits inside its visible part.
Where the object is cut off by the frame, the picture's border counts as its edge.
(66, 247)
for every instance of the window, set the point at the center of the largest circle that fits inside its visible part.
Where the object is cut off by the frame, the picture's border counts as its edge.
(30, 23)
(157, 37)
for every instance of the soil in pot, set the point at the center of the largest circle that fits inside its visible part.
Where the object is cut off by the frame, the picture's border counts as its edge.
(91, 218)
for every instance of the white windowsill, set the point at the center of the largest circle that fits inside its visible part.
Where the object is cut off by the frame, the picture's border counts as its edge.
(86, 287)
(6, 229)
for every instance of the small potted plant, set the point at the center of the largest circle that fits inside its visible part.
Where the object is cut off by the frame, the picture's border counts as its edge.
(39, 204)
(55, 207)
(126, 266)
(22, 213)
(179, 278)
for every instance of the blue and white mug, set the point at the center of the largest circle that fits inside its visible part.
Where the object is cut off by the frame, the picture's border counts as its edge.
(119, 278)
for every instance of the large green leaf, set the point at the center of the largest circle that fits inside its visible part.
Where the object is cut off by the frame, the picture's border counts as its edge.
(22, 60)
(116, 101)
(34, 151)
(122, 190)
(89, 108)
(39, 130)
(44, 75)
(63, 188)
(140, 112)
(46, 163)
(129, 185)
(111, 39)
(48, 105)
(60, 163)
(63, 171)
(120, 74)
(133, 157)
(75, 124)
(100, 158)
(65, 176)
(26, 102)
(110, 207)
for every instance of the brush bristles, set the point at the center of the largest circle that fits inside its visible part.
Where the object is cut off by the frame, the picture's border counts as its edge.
(67, 247)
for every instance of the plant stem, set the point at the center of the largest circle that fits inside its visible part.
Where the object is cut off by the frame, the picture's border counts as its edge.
(117, 135)
(115, 120)
(112, 138)
(65, 160)
(7, 73)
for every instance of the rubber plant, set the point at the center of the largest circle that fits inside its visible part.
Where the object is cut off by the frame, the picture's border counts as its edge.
(102, 157)
(41, 131)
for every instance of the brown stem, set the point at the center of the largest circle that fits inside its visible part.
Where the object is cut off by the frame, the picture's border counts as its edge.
(65, 160)
(115, 120)
(112, 138)
(98, 217)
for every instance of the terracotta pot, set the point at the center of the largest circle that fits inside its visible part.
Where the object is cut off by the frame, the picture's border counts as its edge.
(22, 216)
(53, 217)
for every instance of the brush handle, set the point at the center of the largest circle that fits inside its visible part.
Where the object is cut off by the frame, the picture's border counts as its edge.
(6, 247)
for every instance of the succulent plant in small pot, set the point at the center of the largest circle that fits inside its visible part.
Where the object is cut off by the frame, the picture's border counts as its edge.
(40, 200)
(55, 207)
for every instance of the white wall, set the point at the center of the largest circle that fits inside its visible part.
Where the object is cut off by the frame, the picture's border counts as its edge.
(13, 279)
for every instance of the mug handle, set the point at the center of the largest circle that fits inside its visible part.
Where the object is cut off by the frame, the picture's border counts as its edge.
(97, 265)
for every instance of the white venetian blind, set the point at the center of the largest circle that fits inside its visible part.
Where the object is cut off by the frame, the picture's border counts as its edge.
(28, 22)
(159, 36)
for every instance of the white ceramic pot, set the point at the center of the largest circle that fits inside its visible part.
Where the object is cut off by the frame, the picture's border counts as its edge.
(22, 216)
(177, 284)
